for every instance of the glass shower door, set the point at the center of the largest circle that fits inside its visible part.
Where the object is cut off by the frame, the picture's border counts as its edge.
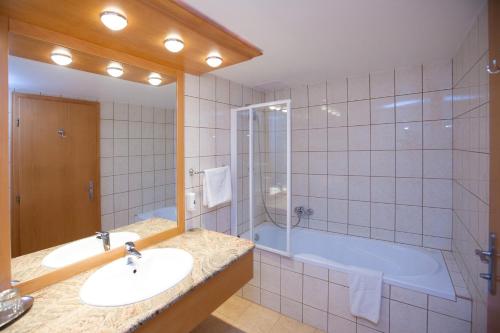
(261, 158)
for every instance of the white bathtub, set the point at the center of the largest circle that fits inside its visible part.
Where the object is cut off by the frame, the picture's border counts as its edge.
(167, 213)
(403, 266)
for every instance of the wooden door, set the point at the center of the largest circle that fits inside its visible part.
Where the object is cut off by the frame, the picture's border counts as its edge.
(494, 53)
(55, 158)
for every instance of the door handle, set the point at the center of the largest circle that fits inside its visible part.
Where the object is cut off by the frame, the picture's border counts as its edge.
(489, 258)
(91, 190)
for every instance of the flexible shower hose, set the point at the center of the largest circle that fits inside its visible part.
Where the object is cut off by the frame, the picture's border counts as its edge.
(262, 186)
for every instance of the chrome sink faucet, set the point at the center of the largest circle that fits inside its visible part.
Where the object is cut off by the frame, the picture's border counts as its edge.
(132, 253)
(104, 236)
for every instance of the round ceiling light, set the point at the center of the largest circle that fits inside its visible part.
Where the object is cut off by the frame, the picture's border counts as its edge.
(214, 60)
(115, 69)
(154, 79)
(173, 44)
(61, 57)
(113, 20)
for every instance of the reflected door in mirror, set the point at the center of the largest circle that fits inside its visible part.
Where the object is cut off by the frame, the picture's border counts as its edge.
(55, 171)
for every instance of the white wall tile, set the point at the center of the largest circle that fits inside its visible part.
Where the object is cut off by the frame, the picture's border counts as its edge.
(461, 308)
(437, 105)
(106, 131)
(358, 88)
(382, 110)
(409, 163)
(318, 116)
(437, 76)
(299, 97)
(437, 193)
(437, 134)
(407, 318)
(339, 324)
(409, 135)
(337, 139)
(358, 113)
(359, 213)
(409, 296)
(191, 85)
(382, 84)
(291, 308)
(318, 140)
(221, 90)
(408, 80)
(270, 278)
(291, 285)
(300, 118)
(409, 108)
(207, 87)
(338, 303)
(383, 137)
(359, 138)
(383, 163)
(409, 191)
(359, 163)
(439, 323)
(438, 163)
(315, 317)
(337, 90)
(317, 94)
(383, 216)
(359, 188)
(409, 219)
(437, 222)
(206, 113)
(235, 94)
(383, 189)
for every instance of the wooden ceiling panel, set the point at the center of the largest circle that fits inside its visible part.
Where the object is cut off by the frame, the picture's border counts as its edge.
(149, 23)
(33, 49)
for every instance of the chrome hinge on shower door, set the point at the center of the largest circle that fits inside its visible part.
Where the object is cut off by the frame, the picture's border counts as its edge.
(489, 257)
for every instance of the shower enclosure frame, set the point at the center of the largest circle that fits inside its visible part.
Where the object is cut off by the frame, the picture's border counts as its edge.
(234, 171)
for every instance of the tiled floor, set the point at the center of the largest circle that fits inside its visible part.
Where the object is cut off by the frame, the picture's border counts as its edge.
(239, 315)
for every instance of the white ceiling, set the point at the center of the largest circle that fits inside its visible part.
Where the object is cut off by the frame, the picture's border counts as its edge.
(306, 41)
(38, 77)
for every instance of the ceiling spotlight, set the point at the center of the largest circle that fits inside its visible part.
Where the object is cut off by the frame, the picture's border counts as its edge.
(61, 57)
(115, 69)
(113, 20)
(214, 60)
(173, 44)
(154, 79)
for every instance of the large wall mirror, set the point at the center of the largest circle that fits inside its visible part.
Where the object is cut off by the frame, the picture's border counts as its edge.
(93, 156)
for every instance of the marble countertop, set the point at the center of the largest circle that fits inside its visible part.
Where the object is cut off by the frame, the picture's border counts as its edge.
(29, 266)
(58, 308)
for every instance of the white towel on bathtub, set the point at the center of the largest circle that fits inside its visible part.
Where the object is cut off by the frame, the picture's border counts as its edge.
(216, 186)
(365, 293)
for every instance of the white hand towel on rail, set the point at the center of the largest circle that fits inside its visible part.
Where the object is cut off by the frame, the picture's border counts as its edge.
(216, 186)
(365, 293)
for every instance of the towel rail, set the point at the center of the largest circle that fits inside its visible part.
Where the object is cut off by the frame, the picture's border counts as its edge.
(193, 172)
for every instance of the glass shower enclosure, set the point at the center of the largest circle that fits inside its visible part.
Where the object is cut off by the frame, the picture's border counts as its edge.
(261, 174)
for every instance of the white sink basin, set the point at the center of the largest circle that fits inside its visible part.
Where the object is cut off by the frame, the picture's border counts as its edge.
(118, 284)
(85, 248)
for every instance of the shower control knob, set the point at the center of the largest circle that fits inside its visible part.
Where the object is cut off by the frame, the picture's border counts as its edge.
(299, 210)
(309, 211)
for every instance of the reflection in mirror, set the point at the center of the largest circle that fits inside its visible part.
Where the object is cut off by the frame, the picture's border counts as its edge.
(89, 153)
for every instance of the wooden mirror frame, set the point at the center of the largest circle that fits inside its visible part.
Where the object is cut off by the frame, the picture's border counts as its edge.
(89, 263)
